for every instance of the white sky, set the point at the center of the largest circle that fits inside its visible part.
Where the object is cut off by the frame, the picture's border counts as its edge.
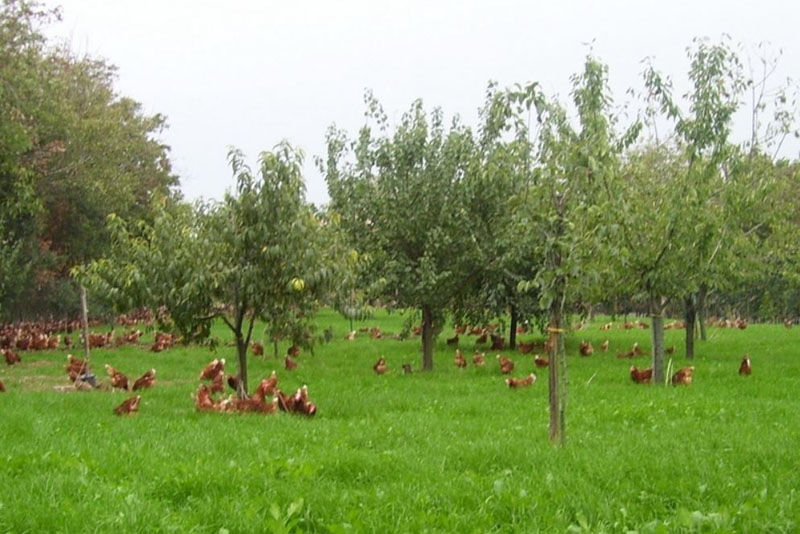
(250, 73)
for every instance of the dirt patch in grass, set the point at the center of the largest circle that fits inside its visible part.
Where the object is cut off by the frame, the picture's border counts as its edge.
(41, 363)
(39, 382)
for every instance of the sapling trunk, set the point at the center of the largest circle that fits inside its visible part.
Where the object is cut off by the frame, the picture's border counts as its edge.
(427, 339)
(658, 346)
(701, 310)
(691, 318)
(512, 334)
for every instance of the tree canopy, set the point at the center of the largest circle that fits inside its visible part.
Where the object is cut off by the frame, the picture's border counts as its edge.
(72, 150)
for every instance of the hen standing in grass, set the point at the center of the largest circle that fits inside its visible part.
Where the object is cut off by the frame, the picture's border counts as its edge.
(745, 369)
(213, 368)
(75, 367)
(459, 360)
(118, 380)
(233, 381)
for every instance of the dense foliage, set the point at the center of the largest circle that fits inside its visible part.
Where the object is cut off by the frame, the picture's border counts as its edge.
(72, 151)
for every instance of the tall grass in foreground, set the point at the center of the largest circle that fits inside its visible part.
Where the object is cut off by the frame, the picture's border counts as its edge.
(447, 451)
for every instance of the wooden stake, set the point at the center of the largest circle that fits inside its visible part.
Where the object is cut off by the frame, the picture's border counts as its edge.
(85, 321)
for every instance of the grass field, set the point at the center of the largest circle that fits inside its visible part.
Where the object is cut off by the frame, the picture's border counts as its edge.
(447, 451)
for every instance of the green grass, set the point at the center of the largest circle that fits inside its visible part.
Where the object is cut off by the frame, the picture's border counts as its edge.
(447, 451)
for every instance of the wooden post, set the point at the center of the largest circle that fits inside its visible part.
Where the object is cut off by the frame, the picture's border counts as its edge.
(85, 322)
(557, 382)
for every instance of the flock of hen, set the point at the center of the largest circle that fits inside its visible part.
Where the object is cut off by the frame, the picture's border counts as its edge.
(256, 403)
(80, 374)
(641, 376)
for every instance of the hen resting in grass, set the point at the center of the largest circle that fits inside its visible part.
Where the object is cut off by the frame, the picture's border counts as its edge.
(11, 356)
(643, 376)
(683, 376)
(128, 406)
(380, 366)
(498, 342)
(541, 362)
(145, 381)
(586, 348)
(526, 348)
(521, 382)
(506, 365)
(478, 359)
(218, 384)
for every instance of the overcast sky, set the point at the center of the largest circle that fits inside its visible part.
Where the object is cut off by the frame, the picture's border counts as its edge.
(250, 73)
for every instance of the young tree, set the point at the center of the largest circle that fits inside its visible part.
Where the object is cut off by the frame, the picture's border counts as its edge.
(648, 203)
(260, 254)
(402, 201)
(573, 166)
(503, 255)
(707, 224)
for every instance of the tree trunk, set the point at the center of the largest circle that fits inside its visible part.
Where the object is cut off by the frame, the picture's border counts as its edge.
(657, 315)
(427, 339)
(701, 310)
(691, 318)
(275, 348)
(557, 378)
(512, 334)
